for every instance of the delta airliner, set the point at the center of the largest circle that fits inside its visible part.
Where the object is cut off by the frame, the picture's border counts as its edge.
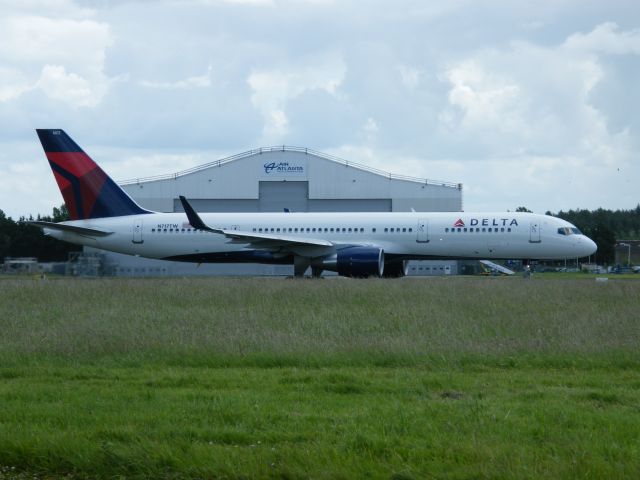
(351, 244)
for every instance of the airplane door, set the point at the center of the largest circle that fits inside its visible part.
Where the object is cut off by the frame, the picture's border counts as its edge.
(137, 231)
(534, 232)
(423, 231)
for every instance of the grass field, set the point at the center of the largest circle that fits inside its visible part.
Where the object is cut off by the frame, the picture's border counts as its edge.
(274, 378)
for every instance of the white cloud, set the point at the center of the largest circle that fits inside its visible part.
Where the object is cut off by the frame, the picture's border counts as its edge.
(487, 100)
(29, 38)
(528, 100)
(273, 88)
(255, 3)
(48, 8)
(197, 81)
(606, 38)
(258, 3)
(521, 103)
(13, 83)
(63, 57)
(69, 87)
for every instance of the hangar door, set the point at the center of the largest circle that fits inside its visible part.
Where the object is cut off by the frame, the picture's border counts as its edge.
(276, 196)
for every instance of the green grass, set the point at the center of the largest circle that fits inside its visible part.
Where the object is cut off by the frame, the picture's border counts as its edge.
(273, 378)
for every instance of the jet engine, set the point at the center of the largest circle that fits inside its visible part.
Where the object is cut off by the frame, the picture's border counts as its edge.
(354, 262)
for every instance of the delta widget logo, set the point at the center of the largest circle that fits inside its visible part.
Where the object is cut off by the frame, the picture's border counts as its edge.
(459, 223)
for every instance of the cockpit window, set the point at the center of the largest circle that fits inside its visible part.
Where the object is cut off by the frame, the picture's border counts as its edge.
(569, 231)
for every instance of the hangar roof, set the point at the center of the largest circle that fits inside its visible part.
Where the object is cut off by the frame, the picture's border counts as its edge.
(284, 148)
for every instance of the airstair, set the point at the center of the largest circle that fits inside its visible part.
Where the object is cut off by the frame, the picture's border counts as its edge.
(494, 267)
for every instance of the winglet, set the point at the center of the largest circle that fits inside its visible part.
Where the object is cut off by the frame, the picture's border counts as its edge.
(194, 219)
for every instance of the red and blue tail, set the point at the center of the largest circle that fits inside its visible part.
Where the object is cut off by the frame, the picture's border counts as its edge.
(88, 192)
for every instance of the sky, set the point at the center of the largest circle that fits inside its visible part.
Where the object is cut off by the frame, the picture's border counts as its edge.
(525, 103)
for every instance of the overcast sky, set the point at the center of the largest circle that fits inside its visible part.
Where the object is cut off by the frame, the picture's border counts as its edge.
(526, 103)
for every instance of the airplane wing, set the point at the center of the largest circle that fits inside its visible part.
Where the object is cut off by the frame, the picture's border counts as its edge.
(257, 240)
(86, 232)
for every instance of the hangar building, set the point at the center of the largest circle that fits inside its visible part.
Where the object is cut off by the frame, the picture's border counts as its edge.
(273, 179)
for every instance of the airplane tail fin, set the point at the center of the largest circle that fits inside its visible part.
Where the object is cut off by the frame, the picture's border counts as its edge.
(87, 190)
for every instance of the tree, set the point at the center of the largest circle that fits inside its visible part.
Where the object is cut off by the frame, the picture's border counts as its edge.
(523, 209)
(19, 239)
(605, 238)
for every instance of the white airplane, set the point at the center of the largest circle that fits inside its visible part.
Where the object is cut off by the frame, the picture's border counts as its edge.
(351, 244)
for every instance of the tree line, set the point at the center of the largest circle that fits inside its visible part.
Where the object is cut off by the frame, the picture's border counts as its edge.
(19, 239)
(605, 227)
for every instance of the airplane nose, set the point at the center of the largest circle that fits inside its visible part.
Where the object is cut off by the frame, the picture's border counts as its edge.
(587, 247)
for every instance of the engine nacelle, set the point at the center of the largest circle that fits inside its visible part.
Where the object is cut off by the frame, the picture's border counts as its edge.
(353, 262)
(360, 262)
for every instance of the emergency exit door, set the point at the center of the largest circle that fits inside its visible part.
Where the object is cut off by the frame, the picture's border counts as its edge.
(534, 232)
(137, 231)
(423, 231)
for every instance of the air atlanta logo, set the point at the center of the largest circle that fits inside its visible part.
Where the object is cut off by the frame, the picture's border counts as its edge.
(282, 167)
(488, 222)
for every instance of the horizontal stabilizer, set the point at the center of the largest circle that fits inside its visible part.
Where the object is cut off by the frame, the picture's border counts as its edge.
(86, 232)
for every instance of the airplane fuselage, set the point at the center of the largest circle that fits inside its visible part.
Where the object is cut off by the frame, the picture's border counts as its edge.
(415, 235)
(352, 244)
